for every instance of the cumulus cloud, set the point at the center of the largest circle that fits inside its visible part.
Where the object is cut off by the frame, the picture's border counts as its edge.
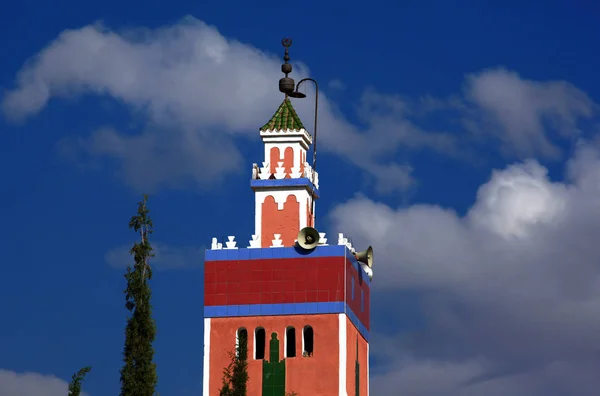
(165, 257)
(521, 112)
(509, 292)
(31, 384)
(199, 93)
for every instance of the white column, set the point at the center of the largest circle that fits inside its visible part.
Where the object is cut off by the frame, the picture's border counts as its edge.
(206, 374)
(368, 378)
(343, 354)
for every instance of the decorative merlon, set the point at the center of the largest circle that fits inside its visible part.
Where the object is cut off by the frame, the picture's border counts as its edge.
(344, 241)
(264, 172)
(231, 243)
(280, 171)
(216, 245)
(255, 242)
(322, 239)
(277, 242)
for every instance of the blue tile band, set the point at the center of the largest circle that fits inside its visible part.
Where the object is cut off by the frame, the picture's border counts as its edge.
(300, 182)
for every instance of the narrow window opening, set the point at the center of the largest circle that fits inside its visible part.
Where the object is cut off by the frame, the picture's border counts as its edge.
(307, 341)
(259, 343)
(352, 280)
(362, 300)
(241, 343)
(290, 342)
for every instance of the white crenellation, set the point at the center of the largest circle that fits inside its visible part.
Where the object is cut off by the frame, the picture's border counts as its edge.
(277, 242)
(265, 171)
(295, 174)
(342, 240)
(255, 242)
(216, 245)
(322, 239)
(280, 171)
(231, 243)
(309, 173)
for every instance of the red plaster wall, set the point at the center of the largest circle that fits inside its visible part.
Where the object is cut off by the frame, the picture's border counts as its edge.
(302, 160)
(275, 155)
(351, 334)
(352, 275)
(285, 222)
(274, 281)
(317, 375)
(288, 161)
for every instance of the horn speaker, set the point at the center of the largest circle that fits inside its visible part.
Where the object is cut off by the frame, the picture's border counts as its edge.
(366, 256)
(308, 238)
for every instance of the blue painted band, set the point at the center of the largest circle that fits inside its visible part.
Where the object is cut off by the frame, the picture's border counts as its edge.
(285, 252)
(225, 311)
(274, 183)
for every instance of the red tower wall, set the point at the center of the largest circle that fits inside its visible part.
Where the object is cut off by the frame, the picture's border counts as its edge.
(285, 222)
(279, 287)
(352, 335)
(304, 375)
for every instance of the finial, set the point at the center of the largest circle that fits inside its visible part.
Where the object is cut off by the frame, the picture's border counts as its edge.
(286, 84)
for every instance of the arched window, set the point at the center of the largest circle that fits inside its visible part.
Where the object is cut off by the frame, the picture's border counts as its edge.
(290, 342)
(241, 343)
(260, 342)
(307, 341)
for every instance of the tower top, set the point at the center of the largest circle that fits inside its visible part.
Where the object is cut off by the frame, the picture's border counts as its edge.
(285, 118)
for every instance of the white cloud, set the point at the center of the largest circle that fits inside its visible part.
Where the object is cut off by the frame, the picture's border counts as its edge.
(517, 199)
(509, 292)
(198, 91)
(31, 384)
(518, 111)
(165, 257)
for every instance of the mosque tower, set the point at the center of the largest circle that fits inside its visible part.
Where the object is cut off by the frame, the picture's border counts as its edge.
(303, 305)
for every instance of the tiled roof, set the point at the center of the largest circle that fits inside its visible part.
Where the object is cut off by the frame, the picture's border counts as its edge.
(284, 118)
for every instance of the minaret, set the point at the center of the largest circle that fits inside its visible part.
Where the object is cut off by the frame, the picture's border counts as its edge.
(286, 185)
(305, 310)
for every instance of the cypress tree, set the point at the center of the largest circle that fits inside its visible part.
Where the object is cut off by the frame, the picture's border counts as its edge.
(75, 385)
(235, 375)
(138, 375)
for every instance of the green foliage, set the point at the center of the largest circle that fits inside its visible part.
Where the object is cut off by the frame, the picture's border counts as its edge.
(76, 380)
(138, 375)
(235, 375)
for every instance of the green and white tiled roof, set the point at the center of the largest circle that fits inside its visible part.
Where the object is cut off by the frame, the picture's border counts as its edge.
(285, 118)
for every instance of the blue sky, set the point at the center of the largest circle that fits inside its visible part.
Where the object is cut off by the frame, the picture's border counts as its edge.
(457, 138)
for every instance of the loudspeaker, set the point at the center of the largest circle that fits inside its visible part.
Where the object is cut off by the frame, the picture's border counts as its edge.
(368, 270)
(308, 238)
(366, 256)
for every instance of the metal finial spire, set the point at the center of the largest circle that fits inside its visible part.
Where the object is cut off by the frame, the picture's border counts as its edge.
(286, 84)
